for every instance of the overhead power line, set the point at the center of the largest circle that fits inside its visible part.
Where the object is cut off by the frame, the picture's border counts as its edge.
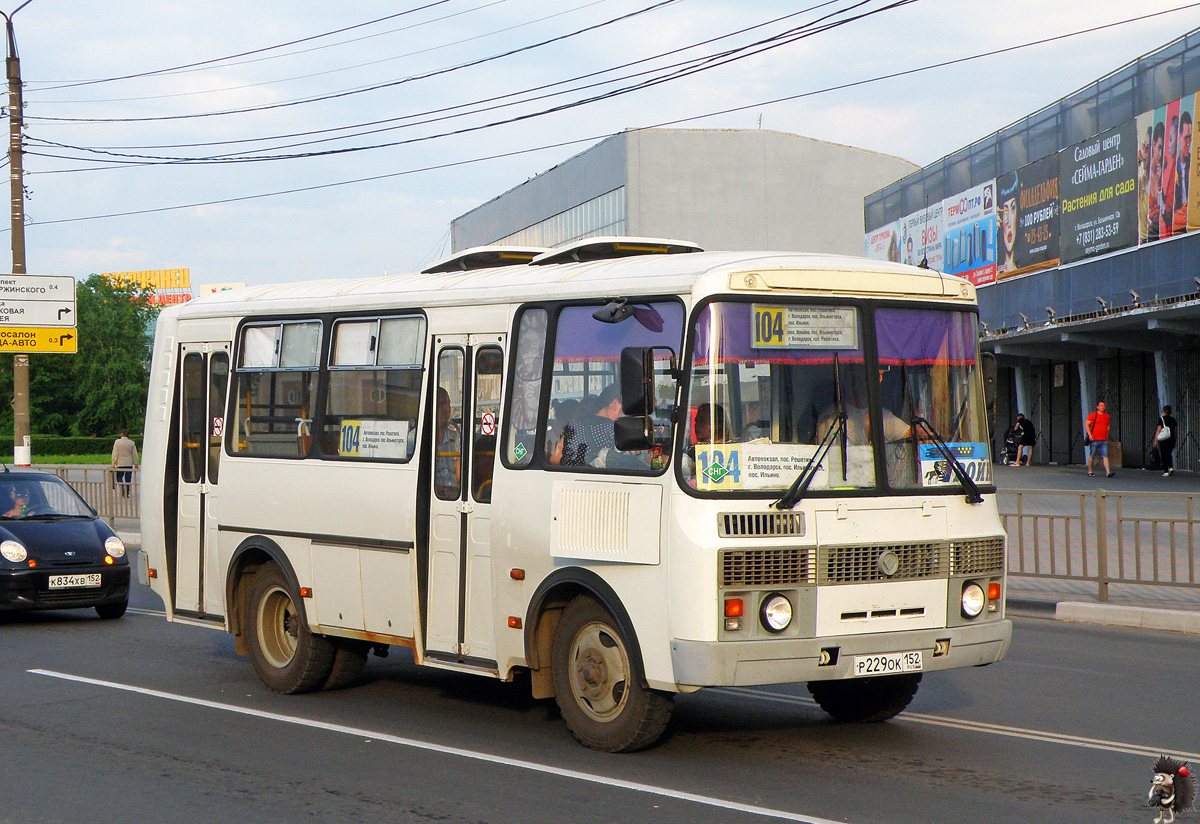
(593, 138)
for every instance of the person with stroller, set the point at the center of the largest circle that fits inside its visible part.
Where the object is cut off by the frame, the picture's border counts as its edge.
(1026, 437)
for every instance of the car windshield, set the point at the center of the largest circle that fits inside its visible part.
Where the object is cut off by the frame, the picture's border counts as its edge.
(773, 386)
(43, 497)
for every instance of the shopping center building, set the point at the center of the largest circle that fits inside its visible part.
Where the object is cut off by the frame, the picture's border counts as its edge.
(1080, 224)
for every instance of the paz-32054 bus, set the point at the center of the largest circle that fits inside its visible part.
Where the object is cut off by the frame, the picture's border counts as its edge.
(627, 467)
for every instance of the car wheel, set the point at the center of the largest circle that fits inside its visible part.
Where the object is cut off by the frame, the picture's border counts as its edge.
(349, 659)
(112, 610)
(597, 688)
(865, 699)
(288, 657)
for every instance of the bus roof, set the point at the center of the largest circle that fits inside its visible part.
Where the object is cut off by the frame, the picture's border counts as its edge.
(639, 275)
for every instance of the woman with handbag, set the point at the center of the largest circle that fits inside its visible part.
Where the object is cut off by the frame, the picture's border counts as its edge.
(1165, 435)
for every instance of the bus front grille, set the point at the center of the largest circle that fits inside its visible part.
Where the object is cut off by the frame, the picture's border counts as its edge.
(760, 524)
(766, 567)
(977, 556)
(862, 564)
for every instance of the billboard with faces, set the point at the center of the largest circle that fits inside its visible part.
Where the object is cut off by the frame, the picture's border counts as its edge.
(1027, 218)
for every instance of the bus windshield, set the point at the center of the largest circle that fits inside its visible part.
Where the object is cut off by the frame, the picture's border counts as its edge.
(772, 386)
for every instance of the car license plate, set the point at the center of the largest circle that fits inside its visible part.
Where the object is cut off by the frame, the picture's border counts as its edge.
(887, 663)
(92, 579)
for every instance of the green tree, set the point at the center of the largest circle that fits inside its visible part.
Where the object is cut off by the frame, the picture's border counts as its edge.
(102, 388)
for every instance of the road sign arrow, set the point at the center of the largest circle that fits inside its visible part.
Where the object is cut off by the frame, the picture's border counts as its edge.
(66, 338)
(63, 311)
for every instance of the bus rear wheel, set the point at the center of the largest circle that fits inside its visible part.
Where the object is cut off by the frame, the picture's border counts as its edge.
(597, 688)
(288, 657)
(865, 699)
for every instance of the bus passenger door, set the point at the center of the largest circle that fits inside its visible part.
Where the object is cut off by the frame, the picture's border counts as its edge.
(203, 384)
(459, 619)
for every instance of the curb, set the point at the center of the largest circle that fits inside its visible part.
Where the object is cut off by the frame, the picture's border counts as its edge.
(1112, 615)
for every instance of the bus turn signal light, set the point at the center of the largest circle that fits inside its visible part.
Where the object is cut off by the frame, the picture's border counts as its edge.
(734, 607)
(305, 592)
(517, 574)
(514, 622)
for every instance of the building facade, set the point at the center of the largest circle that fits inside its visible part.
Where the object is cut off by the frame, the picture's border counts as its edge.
(1081, 225)
(723, 189)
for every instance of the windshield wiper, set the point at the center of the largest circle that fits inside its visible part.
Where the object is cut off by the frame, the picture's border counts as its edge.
(973, 495)
(799, 486)
(50, 516)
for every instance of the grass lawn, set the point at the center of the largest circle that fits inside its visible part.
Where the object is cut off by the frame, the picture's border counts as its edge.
(100, 460)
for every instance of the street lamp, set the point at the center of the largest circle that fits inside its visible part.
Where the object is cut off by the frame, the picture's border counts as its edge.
(12, 65)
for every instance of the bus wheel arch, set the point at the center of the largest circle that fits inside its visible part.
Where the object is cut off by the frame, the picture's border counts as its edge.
(247, 559)
(545, 609)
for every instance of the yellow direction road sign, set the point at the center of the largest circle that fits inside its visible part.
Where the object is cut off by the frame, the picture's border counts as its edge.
(38, 339)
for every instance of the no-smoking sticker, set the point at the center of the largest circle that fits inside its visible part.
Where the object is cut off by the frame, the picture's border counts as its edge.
(488, 424)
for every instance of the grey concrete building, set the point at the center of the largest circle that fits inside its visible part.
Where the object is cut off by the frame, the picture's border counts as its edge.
(723, 189)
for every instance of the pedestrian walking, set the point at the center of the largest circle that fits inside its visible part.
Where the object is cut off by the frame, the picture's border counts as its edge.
(1165, 435)
(1096, 434)
(124, 461)
(1026, 438)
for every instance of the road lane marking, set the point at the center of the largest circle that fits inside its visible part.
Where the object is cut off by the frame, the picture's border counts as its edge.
(981, 726)
(531, 766)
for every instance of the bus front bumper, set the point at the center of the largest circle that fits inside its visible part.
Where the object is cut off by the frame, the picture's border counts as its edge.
(784, 661)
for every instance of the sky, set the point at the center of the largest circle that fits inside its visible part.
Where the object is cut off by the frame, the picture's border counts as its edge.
(231, 138)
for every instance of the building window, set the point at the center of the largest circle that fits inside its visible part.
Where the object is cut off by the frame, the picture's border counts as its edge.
(603, 215)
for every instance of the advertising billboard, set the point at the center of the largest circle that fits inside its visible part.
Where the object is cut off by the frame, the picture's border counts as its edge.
(884, 242)
(1097, 184)
(921, 237)
(969, 238)
(1027, 218)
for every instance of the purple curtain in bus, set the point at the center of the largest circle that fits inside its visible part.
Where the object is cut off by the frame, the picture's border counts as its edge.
(579, 336)
(925, 336)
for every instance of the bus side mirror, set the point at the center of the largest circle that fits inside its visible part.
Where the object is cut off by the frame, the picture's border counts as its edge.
(987, 362)
(637, 381)
(633, 433)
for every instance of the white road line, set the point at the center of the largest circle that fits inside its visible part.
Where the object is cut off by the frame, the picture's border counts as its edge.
(980, 726)
(358, 732)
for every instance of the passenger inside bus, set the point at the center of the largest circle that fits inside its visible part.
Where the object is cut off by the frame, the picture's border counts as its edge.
(448, 461)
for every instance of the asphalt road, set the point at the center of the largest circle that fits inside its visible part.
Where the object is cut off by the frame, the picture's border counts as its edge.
(138, 720)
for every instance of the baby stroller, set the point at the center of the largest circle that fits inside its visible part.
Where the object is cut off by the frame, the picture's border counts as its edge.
(1010, 447)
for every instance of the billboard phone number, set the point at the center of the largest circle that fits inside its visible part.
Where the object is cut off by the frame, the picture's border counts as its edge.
(1099, 233)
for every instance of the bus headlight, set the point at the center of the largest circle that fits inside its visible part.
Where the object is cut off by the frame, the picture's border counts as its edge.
(973, 599)
(13, 551)
(776, 613)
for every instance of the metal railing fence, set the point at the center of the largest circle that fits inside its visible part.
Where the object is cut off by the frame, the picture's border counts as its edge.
(1103, 537)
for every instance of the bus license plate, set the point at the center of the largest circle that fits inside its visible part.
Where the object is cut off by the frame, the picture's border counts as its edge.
(887, 663)
(73, 581)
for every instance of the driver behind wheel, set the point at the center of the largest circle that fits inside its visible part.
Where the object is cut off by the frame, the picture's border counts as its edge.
(19, 498)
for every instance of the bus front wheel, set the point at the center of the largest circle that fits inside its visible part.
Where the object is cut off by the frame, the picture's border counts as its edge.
(286, 654)
(865, 699)
(596, 686)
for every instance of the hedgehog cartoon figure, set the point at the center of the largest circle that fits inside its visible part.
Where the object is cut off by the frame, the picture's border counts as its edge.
(1172, 790)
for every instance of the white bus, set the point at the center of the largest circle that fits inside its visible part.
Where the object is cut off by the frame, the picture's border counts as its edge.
(626, 467)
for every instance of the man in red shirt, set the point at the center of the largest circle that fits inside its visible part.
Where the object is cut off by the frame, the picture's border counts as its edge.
(1097, 432)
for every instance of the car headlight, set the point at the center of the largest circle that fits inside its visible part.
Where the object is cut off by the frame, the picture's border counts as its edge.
(776, 613)
(114, 546)
(973, 600)
(13, 551)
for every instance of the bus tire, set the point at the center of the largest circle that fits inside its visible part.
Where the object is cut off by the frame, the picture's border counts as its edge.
(288, 657)
(597, 687)
(865, 699)
(349, 658)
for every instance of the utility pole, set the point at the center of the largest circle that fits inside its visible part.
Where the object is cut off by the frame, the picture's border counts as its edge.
(21, 449)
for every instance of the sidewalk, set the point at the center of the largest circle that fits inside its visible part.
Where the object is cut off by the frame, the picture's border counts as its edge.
(1131, 605)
